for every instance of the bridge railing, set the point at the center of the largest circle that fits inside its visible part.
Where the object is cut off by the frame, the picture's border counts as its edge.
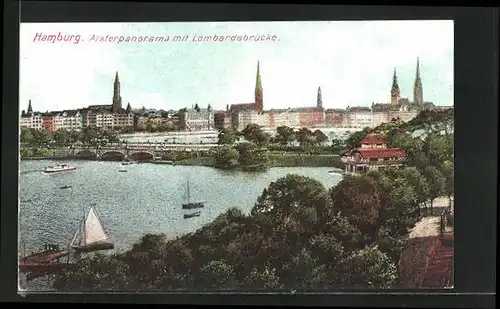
(148, 148)
(146, 145)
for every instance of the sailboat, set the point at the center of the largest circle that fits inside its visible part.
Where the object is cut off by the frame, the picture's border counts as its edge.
(194, 214)
(189, 204)
(93, 237)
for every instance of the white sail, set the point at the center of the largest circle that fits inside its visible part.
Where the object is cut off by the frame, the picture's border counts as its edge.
(74, 237)
(94, 232)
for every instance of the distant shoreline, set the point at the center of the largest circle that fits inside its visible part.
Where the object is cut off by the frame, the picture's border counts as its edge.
(276, 160)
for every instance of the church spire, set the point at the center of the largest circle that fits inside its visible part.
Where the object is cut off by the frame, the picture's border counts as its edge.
(319, 100)
(117, 99)
(395, 92)
(418, 97)
(259, 97)
(30, 109)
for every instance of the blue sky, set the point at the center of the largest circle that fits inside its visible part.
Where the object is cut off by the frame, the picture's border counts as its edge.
(352, 61)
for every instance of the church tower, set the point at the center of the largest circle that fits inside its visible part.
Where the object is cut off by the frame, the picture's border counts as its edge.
(117, 99)
(418, 96)
(259, 97)
(395, 92)
(30, 109)
(319, 100)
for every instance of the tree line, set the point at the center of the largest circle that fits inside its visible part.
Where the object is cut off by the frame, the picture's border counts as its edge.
(285, 136)
(32, 138)
(249, 149)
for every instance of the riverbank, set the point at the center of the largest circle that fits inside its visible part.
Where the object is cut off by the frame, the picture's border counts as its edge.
(275, 160)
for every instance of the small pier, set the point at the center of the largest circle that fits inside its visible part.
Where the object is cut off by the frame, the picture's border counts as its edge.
(43, 263)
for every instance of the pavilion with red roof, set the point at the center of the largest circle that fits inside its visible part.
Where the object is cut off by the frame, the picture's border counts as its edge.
(373, 155)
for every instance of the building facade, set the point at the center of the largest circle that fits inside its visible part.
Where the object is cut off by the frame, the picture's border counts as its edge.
(197, 119)
(109, 117)
(373, 155)
(48, 122)
(283, 117)
(31, 119)
(222, 120)
(70, 120)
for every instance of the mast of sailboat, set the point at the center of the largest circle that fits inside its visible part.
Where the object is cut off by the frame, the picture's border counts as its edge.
(83, 228)
(188, 193)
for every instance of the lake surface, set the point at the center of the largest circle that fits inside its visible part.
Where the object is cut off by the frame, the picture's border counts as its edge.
(146, 199)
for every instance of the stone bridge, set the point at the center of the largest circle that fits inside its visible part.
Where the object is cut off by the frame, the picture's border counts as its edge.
(135, 152)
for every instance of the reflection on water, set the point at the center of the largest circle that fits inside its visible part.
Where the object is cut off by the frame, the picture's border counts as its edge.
(147, 199)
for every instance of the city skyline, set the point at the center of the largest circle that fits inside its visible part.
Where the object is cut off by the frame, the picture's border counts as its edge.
(355, 72)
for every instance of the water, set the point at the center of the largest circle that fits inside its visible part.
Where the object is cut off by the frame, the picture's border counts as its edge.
(146, 199)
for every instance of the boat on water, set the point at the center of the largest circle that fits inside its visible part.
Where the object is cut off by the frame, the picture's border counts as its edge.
(44, 262)
(91, 236)
(65, 187)
(189, 204)
(127, 162)
(122, 170)
(59, 168)
(191, 215)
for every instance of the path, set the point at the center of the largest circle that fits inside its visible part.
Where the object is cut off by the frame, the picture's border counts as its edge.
(428, 258)
(440, 271)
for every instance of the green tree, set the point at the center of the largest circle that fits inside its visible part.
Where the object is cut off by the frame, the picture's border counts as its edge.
(306, 138)
(250, 155)
(226, 137)
(367, 268)
(419, 184)
(439, 148)
(354, 140)
(226, 157)
(338, 146)
(285, 135)
(26, 136)
(263, 279)
(62, 138)
(401, 212)
(320, 137)
(296, 201)
(449, 175)
(218, 275)
(254, 134)
(357, 197)
(436, 181)
(307, 273)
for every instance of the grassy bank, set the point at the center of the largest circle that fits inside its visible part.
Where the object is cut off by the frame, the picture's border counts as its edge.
(198, 161)
(297, 159)
(278, 160)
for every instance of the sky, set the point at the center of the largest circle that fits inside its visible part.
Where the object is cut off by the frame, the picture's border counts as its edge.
(352, 62)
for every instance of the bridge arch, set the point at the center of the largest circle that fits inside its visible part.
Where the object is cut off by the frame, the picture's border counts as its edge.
(86, 154)
(113, 155)
(141, 156)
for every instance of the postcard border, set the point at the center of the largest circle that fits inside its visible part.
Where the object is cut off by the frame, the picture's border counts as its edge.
(476, 142)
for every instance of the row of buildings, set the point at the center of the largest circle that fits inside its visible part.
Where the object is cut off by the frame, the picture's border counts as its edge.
(237, 116)
(240, 115)
(105, 116)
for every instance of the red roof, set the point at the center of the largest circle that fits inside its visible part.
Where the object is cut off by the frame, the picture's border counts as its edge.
(236, 108)
(376, 153)
(372, 139)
